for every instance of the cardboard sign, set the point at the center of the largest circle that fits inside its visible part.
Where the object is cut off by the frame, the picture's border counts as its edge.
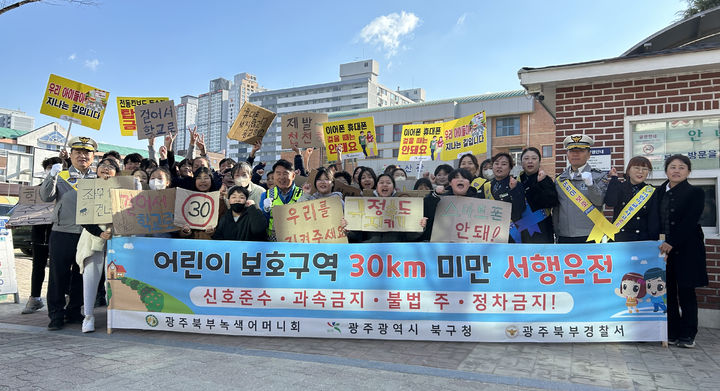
(143, 212)
(347, 190)
(383, 214)
(303, 130)
(355, 136)
(421, 142)
(126, 112)
(156, 119)
(317, 221)
(75, 102)
(31, 210)
(195, 209)
(463, 136)
(93, 199)
(251, 123)
(471, 220)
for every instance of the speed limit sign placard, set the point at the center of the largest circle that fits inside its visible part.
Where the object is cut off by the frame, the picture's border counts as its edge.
(196, 210)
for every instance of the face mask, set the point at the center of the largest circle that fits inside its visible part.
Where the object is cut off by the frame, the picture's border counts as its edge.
(157, 184)
(488, 174)
(242, 181)
(237, 208)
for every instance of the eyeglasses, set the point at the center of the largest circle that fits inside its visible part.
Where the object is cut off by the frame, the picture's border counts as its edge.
(106, 166)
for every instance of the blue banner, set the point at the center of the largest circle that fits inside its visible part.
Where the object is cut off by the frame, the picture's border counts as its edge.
(429, 291)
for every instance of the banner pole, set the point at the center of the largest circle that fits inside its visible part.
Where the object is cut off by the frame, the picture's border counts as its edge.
(67, 135)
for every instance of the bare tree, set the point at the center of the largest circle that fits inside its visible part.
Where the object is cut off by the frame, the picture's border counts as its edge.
(6, 6)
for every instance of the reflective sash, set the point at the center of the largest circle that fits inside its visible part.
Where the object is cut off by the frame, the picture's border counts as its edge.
(478, 182)
(634, 206)
(65, 175)
(602, 226)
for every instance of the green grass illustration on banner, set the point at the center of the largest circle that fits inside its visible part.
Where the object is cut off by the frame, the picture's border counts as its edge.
(156, 300)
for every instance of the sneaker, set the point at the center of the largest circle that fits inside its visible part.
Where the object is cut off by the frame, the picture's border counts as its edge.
(672, 341)
(88, 325)
(33, 304)
(74, 317)
(687, 343)
(56, 324)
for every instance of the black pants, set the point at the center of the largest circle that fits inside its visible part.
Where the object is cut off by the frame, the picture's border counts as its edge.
(682, 309)
(572, 239)
(63, 272)
(39, 263)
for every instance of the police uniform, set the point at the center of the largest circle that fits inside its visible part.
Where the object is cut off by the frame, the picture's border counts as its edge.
(571, 224)
(64, 237)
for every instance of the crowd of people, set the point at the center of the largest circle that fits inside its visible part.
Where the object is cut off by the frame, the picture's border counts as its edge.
(544, 209)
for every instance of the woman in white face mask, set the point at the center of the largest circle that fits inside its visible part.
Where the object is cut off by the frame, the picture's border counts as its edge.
(159, 179)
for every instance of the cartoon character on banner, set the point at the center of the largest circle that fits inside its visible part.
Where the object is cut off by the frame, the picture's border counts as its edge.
(370, 139)
(656, 288)
(632, 288)
(477, 126)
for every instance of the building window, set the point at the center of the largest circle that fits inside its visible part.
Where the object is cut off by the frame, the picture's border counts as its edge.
(396, 152)
(547, 151)
(397, 132)
(379, 133)
(508, 126)
(698, 138)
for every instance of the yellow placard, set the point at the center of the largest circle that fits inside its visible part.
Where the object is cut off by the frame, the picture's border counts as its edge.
(126, 112)
(421, 142)
(464, 135)
(355, 136)
(75, 102)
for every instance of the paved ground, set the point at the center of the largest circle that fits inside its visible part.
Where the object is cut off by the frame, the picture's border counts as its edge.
(33, 358)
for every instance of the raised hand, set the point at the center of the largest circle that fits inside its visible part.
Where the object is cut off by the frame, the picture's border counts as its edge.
(541, 175)
(169, 139)
(513, 182)
(200, 142)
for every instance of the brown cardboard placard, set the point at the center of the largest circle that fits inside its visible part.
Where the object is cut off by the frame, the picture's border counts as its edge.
(304, 130)
(251, 123)
(156, 119)
(143, 212)
(94, 205)
(383, 214)
(471, 220)
(316, 221)
(31, 210)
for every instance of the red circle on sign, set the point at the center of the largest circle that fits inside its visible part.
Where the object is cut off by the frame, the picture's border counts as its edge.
(198, 195)
(648, 148)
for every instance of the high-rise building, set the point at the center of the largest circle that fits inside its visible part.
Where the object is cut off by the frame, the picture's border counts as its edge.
(212, 115)
(17, 120)
(244, 85)
(358, 88)
(186, 118)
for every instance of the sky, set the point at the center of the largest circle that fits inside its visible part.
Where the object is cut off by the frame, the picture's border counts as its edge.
(174, 48)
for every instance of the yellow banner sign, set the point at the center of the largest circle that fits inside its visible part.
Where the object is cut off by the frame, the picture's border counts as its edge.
(356, 138)
(126, 112)
(421, 142)
(75, 102)
(462, 136)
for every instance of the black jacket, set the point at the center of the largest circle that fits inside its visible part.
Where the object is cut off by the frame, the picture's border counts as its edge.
(250, 226)
(539, 195)
(680, 211)
(645, 225)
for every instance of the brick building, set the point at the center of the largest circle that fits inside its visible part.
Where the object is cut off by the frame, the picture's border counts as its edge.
(660, 98)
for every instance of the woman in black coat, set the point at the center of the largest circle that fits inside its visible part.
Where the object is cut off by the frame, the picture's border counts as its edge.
(540, 194)
(645, 224)
(681, 206)
(459, 185)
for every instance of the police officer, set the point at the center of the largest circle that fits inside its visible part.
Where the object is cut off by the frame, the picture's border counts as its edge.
(284, 192)
(61, 186)
(572, 219)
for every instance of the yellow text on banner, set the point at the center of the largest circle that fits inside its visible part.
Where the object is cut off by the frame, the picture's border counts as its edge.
(356, 137)
(75, 102)
(464, 135)
(126, 112)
